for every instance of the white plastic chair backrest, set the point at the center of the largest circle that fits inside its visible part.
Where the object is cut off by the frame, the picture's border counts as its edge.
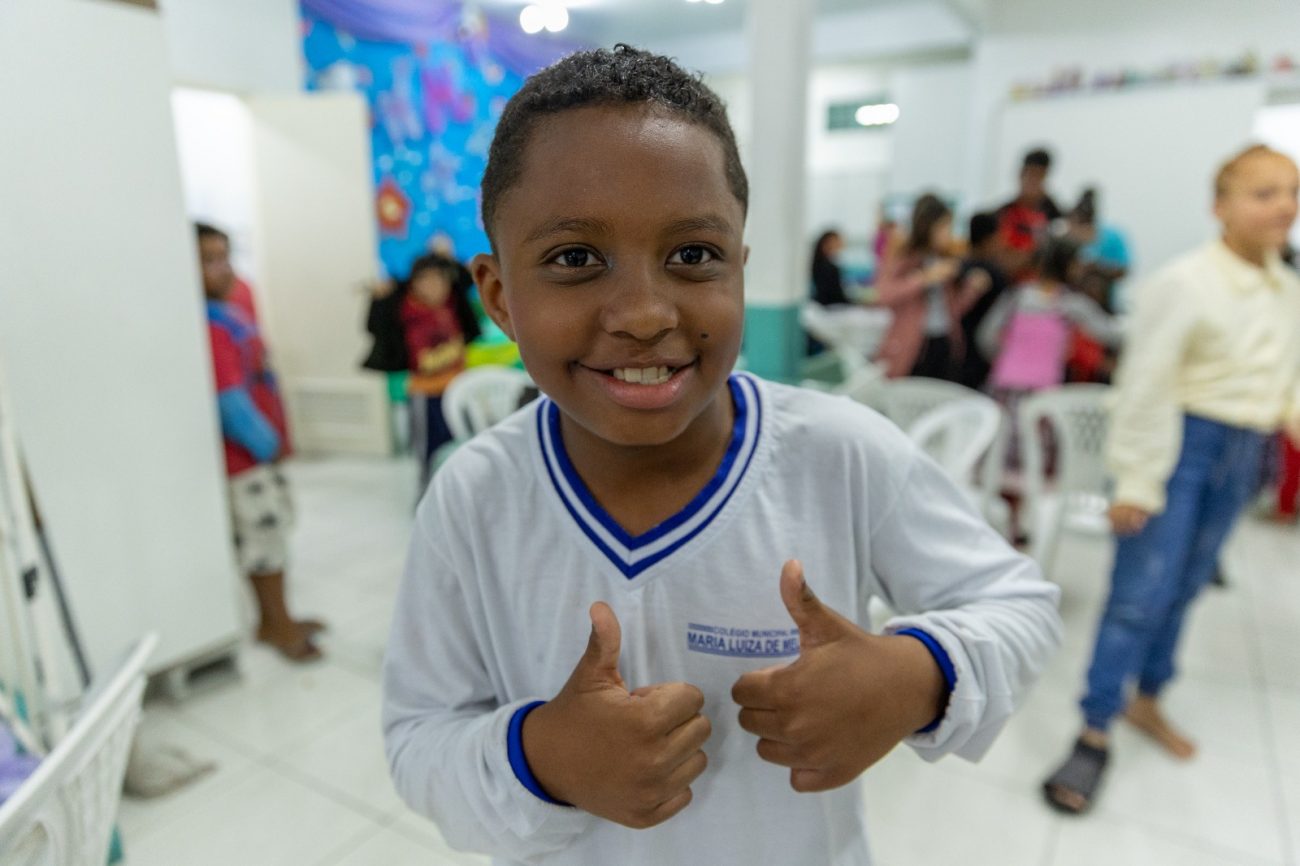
(480, 397)
(907, 399)
(63, 814)
(816, 320)
(1078, 416)
(865, 385)
(958, 434)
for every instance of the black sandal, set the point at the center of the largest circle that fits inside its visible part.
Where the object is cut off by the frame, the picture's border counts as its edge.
(1080, 774)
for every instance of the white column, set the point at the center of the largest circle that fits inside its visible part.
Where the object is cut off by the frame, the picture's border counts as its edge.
(776, 278)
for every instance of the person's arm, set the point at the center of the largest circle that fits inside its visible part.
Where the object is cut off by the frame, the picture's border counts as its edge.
(243, 422)
(988, 337)
(986, 609)
(1088, 315)
(973, 286)
(447, 736)
(1144, 436)
(900, 281)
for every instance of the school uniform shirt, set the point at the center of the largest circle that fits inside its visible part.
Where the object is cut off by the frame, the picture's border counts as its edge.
(510, 550)
(1211, 335)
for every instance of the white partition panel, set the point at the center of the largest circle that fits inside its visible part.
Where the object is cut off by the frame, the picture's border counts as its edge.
(102, 329)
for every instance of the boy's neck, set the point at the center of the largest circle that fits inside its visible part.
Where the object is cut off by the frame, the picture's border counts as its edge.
(656, 481)
(1253, 253)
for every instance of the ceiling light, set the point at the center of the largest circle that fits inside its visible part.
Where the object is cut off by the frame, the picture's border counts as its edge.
(557, 17)
(713, 2)
(532, 19)
(877, 115)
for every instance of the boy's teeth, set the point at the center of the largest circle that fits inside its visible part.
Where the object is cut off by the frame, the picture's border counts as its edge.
(643, 375)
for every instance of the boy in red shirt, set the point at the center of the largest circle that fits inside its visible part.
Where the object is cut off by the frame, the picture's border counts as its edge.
(256, 437)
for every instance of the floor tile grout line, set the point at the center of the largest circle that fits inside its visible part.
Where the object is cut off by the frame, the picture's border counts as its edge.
(1265, 713)
(351, 845)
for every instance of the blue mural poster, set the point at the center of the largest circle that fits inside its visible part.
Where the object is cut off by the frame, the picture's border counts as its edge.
(435, 93)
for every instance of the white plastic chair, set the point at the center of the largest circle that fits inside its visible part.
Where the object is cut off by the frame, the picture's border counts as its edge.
(63, 814)
(958, 435)
(853, 332)
(904, 401)
(907, 399)
(1079, 498)
(966, 438)
(480, 397)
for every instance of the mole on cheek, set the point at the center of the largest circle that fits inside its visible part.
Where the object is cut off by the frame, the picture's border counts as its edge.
(704, 336)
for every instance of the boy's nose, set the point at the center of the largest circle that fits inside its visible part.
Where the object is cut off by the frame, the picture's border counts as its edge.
(639, 307)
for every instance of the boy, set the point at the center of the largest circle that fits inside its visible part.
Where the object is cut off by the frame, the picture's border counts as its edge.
(983, 275)
(1025, 220)
(1211, 369)
(255, 439)
(712, 697)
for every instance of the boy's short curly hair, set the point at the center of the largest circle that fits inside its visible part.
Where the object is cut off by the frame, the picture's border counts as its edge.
(623, 75)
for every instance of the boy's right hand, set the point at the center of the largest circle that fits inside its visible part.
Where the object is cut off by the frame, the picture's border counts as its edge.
(628, 757)
(1127, 519)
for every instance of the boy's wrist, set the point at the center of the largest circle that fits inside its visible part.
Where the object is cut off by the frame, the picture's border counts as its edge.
(932, 671)
(533, 756)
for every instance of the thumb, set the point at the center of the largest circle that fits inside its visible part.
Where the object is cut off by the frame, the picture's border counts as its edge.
(817, 624)
(600, 661)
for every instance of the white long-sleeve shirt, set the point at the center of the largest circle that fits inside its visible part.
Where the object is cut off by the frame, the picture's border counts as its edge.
(510, 550)
(1211, 335)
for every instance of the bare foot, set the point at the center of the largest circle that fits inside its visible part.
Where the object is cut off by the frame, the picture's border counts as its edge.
(1144, 714)
(292, 640)
(311, 627)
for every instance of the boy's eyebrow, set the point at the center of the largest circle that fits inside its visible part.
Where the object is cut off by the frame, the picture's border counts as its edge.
(567, 224)
(707, 222)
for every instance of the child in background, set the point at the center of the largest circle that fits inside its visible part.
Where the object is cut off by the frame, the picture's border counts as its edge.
(644, 508)
(256, 438)
(437, 324)
(984, 278)
(917, 283)
(1213, 371)
(1027, 333)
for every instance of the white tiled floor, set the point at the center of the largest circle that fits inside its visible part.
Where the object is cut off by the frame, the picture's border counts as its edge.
(301, 779)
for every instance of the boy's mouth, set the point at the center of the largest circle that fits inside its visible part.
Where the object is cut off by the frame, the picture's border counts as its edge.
(644, 375)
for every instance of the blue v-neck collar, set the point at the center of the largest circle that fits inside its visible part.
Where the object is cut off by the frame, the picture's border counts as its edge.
(634, 554)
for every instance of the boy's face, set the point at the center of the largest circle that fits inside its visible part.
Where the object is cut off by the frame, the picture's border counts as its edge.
(214, 261)
(1033, 182)
(620, 253)
(1258, 207)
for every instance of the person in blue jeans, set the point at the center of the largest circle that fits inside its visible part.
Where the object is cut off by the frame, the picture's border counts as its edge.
(1211, 370)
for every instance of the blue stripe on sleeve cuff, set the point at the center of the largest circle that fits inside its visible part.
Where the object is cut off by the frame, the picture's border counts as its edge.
(515, 752)
(941, 659)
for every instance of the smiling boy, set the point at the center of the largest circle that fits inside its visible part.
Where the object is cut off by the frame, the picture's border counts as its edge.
(605, 650)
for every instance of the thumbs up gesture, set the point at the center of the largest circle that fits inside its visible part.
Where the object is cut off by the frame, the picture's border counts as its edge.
(846, 701)
(627, 756)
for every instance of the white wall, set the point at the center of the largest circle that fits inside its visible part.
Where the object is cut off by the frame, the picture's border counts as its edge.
(891, 30)
(1027, 39)
(850, 172)
(242, 46)
(1154, 178)
(214, 143)
(1278, 126)
(102, 329)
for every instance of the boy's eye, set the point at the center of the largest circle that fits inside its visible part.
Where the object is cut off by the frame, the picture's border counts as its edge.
(692, 255)
(575, 258)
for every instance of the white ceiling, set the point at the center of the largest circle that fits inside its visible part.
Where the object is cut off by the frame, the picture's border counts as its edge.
(603, 22)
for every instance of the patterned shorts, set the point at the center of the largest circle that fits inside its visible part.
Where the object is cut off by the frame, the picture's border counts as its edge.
(262, 513)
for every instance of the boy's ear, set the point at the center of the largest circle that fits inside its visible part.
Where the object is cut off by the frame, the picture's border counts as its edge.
(491, 291)
(744, 259)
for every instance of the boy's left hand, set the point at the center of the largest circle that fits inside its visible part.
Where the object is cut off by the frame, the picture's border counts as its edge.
(848, 699)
